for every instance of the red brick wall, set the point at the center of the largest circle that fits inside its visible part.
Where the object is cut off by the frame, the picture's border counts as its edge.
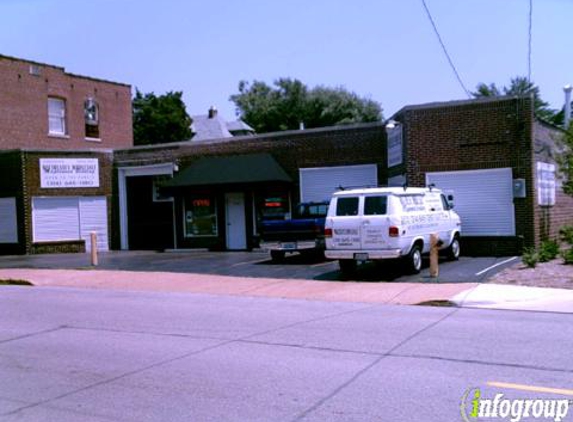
(465, 135)
(24, 108)
(31, 188)
(551, 219)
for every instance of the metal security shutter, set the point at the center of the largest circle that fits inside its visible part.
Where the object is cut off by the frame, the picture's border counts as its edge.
(93, 217)
(8, 221)
(318, 184)
(482, 198)
(55, 218)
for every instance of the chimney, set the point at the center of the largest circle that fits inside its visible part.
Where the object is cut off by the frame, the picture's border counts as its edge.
(567, 119)
(212, 112)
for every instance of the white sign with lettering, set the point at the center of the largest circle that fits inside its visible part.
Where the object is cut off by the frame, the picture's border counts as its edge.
(69, 173)
(395, 153)
(545, 184)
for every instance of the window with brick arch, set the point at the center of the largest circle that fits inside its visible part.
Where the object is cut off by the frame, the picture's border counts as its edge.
(91, 114)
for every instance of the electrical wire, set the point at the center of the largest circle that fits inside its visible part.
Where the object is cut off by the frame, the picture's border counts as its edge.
(529, 41)
(445, 50)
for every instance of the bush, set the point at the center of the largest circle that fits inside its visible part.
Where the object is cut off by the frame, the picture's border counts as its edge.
(530, 257)
(566, 234)
(567, 256)
(549, 250)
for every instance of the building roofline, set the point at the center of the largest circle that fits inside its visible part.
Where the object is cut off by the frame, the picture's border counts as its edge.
(457, 103)
(62, 69)
(262, 136)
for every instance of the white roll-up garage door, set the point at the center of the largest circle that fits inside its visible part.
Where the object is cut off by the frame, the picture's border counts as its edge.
(70, 218)
(482, 198)
(319, 183)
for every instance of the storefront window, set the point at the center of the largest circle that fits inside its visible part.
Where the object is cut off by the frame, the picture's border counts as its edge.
(273, 206)
(200, 214)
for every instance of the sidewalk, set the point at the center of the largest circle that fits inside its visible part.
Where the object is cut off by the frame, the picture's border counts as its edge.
(471, 295)
(336, 291)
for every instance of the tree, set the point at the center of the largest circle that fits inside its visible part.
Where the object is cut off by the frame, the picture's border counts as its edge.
(519, 86)
(566, 160)
(289, 103)
(160, 119)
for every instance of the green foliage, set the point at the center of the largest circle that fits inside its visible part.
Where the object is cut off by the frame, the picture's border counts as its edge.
(288, 103)
(519, 86)
(567, 256)
(160, 119)
(549, 250)
(565, 160)
(530, 257)
(566, 234)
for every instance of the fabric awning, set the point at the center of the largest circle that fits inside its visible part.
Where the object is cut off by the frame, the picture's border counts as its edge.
(228, 170)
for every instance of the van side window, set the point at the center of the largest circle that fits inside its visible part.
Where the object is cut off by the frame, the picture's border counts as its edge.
(375, 205)
(445, 203)
(347, 206)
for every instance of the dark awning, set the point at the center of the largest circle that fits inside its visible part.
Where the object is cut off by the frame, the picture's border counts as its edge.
(237, 169)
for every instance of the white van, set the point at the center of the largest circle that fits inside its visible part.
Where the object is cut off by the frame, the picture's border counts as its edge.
(383, 223)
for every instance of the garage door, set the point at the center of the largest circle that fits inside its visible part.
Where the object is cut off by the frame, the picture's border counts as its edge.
(318, 184)
(70, 218)
(8, 221)
(482, 198)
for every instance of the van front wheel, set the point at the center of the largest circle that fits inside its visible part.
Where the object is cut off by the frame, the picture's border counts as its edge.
(414, 260)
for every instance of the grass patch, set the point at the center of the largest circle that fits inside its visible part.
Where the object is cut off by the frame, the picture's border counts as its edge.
(13, 282)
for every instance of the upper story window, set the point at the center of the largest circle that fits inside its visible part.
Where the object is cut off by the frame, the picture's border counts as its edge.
(91, 115)
(56, 116)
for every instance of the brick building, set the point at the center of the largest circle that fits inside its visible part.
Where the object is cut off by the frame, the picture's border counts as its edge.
(57, 131)
(493, 153)
(45, 107)
(496, 157)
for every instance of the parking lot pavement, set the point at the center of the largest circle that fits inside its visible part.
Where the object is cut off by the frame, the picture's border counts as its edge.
(258, 264)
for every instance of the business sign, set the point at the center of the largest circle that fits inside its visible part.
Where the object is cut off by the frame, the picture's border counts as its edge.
(395, 153)
(545, 184)
(69, 173)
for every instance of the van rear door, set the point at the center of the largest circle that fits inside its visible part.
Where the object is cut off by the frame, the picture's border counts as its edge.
(375, 223)
(345, 223)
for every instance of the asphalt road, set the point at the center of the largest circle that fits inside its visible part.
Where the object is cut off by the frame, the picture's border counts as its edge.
(96, 355)
(258, 264)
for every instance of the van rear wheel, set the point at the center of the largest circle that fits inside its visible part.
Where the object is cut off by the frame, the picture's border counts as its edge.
(414, 260)
(453, 251)
(347, 266)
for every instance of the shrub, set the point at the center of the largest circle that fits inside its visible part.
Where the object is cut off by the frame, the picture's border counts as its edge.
(530, 257)
(549, 250)
(567, 256)
(566, 234)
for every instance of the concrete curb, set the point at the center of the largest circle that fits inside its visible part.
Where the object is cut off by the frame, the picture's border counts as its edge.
(496, 296)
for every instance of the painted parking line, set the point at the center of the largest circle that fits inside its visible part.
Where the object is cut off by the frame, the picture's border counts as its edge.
(532, 388)
(322, 264)
(257, 261)
(496, 265)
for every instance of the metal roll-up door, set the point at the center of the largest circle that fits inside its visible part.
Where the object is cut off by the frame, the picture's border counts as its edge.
(55, 219)
(93, 217)
(318, 184)
(8, 221)
(482, 198)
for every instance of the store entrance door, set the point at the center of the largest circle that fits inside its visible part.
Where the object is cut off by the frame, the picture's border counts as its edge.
(236, 225)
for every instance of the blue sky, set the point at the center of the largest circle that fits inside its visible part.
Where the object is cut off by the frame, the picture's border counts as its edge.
(382, 49)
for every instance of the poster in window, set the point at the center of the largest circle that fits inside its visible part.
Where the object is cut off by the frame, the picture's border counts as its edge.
(200, 216)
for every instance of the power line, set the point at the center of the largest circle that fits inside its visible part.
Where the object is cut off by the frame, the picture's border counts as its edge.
(529, 41)
(445, 50)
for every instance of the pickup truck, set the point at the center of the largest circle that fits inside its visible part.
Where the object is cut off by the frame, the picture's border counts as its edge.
(303, 233)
